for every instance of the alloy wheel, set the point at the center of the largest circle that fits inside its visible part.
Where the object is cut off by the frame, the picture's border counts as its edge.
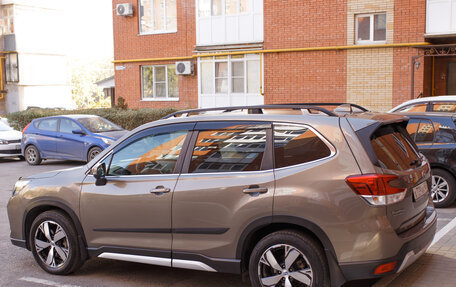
(284, 265)
(440, 188)
(51, 244)
(31, 155)
(93, 153)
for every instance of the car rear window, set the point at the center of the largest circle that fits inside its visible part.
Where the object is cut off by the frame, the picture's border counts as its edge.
(47, 125)
(393, 149)
(296, 144)
(449, 107)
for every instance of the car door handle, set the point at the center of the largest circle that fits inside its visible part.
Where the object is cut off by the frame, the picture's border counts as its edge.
(255, 190)
(159, 190)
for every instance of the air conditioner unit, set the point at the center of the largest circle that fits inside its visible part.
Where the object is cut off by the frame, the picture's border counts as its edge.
(184, 68)
(125, 9)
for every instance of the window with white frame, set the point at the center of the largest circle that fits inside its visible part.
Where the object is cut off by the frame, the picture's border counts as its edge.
(159, 83)
(216, 7)
(157, 16)
(7, 20)
(236, 74)
(229, 21)
(371, 28)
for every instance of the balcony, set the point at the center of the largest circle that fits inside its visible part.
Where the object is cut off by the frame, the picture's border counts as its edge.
(440, 18)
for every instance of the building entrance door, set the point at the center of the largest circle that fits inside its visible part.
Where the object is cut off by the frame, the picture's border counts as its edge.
(451, 79)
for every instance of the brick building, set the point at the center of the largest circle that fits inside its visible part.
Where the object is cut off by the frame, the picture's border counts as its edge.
(370, 52)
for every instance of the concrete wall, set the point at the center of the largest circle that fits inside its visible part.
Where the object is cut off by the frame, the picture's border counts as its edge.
(44, 74)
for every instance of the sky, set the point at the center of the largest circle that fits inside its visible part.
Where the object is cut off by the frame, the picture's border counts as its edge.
(89, 28)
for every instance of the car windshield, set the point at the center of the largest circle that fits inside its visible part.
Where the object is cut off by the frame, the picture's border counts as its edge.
(4, 127)
(99, 125)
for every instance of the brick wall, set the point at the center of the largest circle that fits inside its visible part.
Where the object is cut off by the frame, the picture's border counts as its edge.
(128, 44)
(377, 78)
(305, 77)
(409, 27)
(297, 23)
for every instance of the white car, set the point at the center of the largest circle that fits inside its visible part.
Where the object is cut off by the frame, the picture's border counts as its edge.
(10, 141)
(428, 104)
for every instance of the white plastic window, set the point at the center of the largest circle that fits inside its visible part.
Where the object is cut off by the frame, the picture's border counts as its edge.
(159, 83)
(371, 28)
(157, 16)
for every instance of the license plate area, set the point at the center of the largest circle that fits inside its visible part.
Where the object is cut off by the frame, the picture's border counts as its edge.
(420, 190)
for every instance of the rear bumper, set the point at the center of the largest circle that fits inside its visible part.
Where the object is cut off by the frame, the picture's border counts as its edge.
(411, 250)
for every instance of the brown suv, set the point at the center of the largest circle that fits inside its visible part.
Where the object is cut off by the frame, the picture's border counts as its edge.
(295, 195)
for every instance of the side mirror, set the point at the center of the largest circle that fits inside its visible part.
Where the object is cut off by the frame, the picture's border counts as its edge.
(99, 172)
(78, 132)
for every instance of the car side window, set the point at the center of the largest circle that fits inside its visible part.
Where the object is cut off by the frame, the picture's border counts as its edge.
(418, 108)
(151, 154)
(412, 127)
(444, 130)
(68, 126)
(231, 149)
(48, 125)
(449, 107)
(296, 144)
(425, 132)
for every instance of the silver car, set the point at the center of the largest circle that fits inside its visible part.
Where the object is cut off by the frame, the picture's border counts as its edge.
(10, 141)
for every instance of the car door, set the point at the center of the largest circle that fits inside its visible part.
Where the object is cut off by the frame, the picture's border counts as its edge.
(131, 213)
(70, 145)
(227, 183)
(422, 131)
(46, 137)
(443, 148)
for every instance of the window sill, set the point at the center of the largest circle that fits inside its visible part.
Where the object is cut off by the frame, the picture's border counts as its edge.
(157, 33)
(370, 43)
(161, 100)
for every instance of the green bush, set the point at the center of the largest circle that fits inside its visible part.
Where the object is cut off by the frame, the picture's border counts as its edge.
(128, 119)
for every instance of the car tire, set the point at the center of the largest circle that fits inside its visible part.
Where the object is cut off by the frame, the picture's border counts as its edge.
(32, 155)
(93, 152)
(304, 265)
(21, 158)
(443, 190)
(65, 249)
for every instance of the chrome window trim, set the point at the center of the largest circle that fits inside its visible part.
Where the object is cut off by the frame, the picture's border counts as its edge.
(227, 173)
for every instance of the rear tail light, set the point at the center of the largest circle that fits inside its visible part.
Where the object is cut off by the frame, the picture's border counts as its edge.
(376, 188)
(26, 128)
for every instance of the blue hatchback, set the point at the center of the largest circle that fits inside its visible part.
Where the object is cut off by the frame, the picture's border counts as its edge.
(72, 137)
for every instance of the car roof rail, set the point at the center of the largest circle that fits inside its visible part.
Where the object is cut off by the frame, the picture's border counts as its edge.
(254, 109)
(339, 105)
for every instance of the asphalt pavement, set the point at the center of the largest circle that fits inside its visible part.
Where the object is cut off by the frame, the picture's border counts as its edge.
(18, 268)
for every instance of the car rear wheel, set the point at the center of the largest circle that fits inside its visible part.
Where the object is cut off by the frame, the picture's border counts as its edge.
(443, 188)
(32, 155)
(288, 258)
(93, 152)
(54, 244)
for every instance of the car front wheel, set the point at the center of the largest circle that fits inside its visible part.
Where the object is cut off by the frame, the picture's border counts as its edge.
(54, 244)
(288, 258)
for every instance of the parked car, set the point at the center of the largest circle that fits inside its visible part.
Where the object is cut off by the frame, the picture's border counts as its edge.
(10, 141)
(428, 104)
(71, 137)
(4, 120)
(435, 136)
(308, 199)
